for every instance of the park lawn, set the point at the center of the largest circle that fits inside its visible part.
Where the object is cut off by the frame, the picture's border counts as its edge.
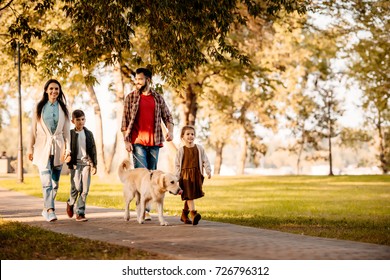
(23, 242)
(343, 207)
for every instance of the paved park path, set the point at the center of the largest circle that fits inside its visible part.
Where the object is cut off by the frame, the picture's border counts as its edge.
(206, 241)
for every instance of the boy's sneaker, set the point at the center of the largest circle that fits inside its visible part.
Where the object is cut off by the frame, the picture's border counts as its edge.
(147, 216)
(69, 210)
(81, 218)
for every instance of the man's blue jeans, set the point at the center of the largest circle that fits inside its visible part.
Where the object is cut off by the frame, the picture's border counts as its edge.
(145, 156)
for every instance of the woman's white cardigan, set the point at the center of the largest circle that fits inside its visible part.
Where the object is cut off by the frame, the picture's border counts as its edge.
(204, 163)
(41, 140)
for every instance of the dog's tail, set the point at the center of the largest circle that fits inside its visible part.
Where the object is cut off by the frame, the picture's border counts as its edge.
(123, 168)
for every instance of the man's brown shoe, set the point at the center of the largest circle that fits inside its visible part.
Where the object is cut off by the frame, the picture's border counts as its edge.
(81, 218)
(69, 210)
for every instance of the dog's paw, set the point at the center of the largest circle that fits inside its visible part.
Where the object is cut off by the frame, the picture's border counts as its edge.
(164, 223)
(141, 221)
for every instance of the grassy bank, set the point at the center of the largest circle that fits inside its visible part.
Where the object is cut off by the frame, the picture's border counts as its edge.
(23, 242)
(344, 207)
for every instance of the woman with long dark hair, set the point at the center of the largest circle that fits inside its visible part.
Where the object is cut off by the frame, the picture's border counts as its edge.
(49, 144)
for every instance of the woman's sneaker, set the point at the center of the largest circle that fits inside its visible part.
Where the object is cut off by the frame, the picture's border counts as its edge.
(49, 216)
(45, 215)
(52, 216)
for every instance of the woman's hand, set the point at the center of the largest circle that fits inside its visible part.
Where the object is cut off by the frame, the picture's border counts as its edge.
(67, 158)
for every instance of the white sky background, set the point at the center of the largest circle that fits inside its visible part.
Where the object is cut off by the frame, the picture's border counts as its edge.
(107, 107)
(353, 115)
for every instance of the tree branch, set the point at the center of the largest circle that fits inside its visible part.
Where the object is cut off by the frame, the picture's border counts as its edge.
(7, 5)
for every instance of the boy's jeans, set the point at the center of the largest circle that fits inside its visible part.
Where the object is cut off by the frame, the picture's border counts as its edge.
(80, 179)
(145, 156)
(50, 177)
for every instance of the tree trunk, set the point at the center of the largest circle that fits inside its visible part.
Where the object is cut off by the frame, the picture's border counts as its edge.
(299, 156)
(218, 157)
(330, 157)
(382, 153)
(244, 148)
(111, 154)
(101, 166)
(330, 141)
(190, 105)
(118, 149)
(169, 165)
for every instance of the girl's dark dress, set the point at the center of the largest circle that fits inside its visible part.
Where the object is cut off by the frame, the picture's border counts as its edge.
(191, 179)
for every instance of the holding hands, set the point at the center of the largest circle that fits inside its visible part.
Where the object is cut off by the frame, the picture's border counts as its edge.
(67, 158)
(30, 156)
(169, 136)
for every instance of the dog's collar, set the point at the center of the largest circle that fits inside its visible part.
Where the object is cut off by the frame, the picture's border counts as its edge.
(151, 175)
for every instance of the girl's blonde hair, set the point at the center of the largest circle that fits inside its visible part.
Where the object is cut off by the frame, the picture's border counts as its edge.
(187, 127)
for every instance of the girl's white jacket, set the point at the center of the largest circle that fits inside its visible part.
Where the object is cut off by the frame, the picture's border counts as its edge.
(204, 164)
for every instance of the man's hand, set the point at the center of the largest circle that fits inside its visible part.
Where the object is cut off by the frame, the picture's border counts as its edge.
(128, 146)
(93, 170)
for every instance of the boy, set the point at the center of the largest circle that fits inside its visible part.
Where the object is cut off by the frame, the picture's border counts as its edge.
(82, 164)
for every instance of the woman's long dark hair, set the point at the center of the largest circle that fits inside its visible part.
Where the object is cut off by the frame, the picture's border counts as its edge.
(61, 99)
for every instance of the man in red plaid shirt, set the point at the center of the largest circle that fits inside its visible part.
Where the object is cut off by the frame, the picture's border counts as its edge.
(144, 109)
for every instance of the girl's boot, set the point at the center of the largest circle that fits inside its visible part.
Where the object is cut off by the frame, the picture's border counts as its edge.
(195, 217)
(184, 217)
(184, 214)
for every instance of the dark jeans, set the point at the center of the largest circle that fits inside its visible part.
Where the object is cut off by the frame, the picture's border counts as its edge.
(145, 156)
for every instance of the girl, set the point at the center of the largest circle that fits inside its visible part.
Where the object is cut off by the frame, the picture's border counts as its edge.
(49, 143)
(190, 161)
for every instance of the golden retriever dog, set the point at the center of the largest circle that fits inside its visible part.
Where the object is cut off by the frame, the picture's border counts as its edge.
(146, 186)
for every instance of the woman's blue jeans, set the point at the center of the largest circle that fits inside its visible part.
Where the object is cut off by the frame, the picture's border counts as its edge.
(145, 156)
(50, 177)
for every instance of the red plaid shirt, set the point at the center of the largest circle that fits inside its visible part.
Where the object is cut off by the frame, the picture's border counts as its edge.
(162, 113)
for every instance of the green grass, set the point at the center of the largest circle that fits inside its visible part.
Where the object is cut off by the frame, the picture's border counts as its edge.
(23, 242)
(344, 207)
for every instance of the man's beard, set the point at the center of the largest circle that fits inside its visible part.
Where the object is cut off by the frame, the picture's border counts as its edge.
(141, 89)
